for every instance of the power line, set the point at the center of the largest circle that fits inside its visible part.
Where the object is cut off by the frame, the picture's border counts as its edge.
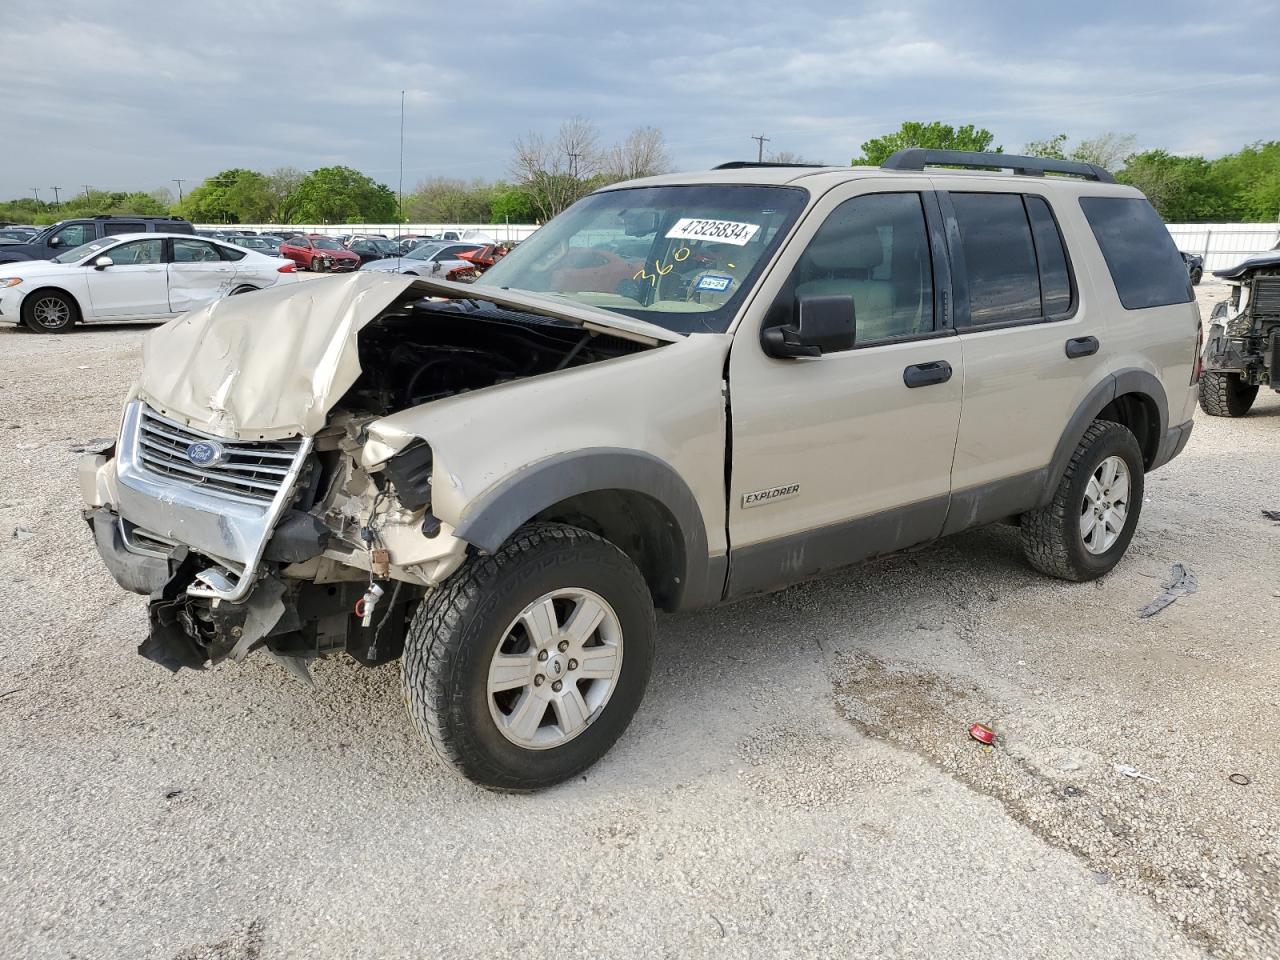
(56, 200)
(761, 140)
(36, 191)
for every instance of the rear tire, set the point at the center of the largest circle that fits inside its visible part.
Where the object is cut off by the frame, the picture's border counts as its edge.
(1103, 483)
(1226, 395)
(486, 619)
(48, 311)
(1196, 276)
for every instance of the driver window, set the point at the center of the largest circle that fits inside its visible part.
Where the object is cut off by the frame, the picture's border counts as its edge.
(75, 234)
(874, 248)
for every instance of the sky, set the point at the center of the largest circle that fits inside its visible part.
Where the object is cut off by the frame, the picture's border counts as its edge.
(130, 94)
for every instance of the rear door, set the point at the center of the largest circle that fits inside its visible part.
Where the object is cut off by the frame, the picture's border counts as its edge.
(197, 274)
(849, 454)
(134, 285)
(1032, 348)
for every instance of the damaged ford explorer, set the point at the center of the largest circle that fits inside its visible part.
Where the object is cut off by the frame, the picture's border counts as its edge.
(683, 390)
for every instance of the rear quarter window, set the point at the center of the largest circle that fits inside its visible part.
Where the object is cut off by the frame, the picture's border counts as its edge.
(1144, 262)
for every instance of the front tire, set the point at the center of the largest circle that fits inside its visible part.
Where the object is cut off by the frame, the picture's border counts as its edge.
(48, 311)
(1226, 395)
(525, 667)
(1086, 528)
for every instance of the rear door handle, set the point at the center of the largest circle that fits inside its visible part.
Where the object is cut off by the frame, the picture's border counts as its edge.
(924, 374)
(1082, 347)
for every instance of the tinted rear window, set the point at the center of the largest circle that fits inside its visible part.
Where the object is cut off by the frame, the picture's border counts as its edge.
(1144, 263)
(999, 256)
(1055, 278)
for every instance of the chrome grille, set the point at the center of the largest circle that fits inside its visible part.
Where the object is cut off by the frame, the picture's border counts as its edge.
(254, 469)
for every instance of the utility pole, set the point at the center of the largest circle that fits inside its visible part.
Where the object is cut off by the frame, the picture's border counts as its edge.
(761, 141)
(573, 164)
(87, 188)
(179, 181)
(55, 190)
(36, 191)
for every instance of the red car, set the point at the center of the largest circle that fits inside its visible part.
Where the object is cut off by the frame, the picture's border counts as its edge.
(319, 253)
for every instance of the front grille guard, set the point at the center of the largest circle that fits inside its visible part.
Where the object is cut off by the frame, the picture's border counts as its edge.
(157, 502)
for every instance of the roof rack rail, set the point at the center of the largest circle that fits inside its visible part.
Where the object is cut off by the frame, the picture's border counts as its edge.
(748, 164)
(917, 158)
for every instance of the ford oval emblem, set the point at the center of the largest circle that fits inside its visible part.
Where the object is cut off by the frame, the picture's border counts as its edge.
(207, 453)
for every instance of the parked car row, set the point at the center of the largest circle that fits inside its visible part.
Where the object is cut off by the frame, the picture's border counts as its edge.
(134, 276)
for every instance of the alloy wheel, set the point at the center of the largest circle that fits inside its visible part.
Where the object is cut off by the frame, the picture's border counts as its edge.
(1106, 505)
(52, 313)
(555, 668)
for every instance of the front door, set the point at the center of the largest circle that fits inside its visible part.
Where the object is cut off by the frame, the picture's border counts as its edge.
(847, 455)
(197, 274)
(134, 285)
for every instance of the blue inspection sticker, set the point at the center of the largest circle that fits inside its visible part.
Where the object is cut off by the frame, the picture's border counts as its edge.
(714, 283)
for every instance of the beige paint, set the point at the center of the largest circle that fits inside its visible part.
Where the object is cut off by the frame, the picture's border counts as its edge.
(666, 402)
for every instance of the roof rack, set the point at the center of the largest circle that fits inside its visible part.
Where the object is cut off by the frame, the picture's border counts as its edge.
(917, 158)
(747, 164)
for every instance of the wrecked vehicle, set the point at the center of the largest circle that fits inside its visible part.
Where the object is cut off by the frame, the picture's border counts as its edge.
(1242, 350)
(499, 483)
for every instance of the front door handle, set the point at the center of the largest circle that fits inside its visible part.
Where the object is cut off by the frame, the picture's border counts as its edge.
(924, 374)
(1082, 347)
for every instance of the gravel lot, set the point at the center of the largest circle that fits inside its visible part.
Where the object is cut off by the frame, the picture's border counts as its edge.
(798, 782)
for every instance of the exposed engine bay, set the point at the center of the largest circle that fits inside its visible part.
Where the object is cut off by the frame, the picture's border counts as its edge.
(427, 350)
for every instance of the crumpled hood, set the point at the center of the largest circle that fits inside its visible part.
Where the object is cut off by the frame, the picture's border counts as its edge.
(271, 364)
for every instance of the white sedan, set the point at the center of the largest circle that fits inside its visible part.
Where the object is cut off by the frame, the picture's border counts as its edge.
(135, 276)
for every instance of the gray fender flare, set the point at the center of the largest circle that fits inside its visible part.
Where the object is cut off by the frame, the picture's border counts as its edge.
(498, 512)
(1130, 380)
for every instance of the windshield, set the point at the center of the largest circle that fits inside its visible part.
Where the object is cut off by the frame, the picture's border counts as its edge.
(679, 257)
(324, 243)
(82, 251)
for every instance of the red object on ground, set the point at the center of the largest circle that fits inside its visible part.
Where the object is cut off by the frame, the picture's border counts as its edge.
(981, 733)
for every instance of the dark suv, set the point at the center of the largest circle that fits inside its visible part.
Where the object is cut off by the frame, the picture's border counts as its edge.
(66, 234)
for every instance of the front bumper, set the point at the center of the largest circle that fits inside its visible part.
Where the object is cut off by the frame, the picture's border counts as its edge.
(232, 532)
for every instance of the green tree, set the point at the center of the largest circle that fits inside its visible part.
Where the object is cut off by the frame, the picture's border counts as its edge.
(232, 196)
(935, 136)
(512, 205)
(441, 200)
(1055, 148)
(1181, 188)
(341, 195)
(1251, 178)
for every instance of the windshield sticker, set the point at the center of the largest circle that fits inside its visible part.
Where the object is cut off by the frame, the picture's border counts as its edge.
(714, 231)
(714, 283)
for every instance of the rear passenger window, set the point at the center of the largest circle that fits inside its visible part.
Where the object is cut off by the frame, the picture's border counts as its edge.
(1055, 277)
(1144, 262)
(230, 253)
(115, 228)
(874, 248)
(999, 258)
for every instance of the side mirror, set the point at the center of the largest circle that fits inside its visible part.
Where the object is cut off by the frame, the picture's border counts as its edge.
(103, 262)
(823, 324)
(55, 241)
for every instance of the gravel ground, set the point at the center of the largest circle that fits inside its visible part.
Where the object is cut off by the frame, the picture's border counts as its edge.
(797, 783)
